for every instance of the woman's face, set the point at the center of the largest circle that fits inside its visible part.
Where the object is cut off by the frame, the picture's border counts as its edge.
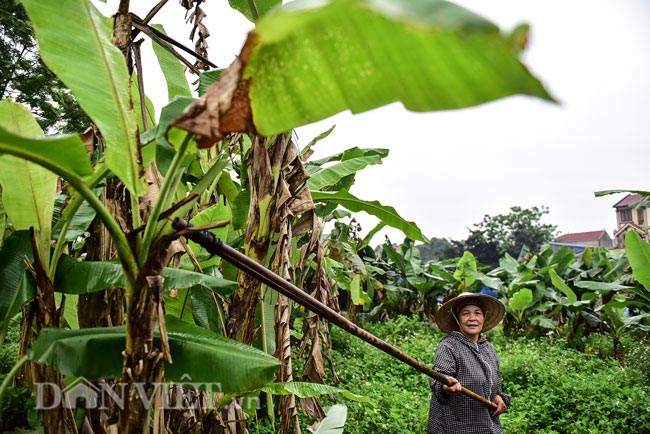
(471, 319)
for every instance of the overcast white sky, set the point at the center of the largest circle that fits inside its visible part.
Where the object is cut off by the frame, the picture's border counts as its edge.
(446, 170)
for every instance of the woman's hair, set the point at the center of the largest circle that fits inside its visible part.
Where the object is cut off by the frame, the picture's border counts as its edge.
(469, 301)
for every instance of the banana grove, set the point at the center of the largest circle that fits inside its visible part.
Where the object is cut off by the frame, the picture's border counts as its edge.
(111, 298)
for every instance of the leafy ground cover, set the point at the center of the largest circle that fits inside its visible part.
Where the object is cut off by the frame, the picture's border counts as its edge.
(555, 389)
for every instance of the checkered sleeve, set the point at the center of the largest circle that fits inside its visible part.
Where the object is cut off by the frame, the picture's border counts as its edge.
(445, 363)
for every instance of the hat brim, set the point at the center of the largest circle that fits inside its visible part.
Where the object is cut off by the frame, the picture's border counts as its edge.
(493, 315)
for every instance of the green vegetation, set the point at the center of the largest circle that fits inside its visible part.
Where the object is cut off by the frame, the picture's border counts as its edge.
(109, 296)
(14, 405)
(24, 77)
(508, 233)
(555, 389)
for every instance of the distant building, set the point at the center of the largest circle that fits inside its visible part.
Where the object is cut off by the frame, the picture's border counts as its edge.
(586, 239)
(631, 217)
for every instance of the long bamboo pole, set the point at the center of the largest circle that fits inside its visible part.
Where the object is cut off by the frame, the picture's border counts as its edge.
(217, 247)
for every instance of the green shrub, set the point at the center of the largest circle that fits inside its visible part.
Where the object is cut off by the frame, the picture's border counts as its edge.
(13, 407)
(562, 390)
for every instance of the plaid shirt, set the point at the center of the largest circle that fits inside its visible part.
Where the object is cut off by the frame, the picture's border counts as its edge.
(476, 367)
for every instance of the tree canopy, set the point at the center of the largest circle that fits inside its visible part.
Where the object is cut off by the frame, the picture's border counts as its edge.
(25, 79)
(508, 233)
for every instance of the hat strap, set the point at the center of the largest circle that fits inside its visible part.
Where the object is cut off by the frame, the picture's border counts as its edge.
(455, 318)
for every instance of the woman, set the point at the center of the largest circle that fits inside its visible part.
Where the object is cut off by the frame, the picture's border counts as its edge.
(469, 361)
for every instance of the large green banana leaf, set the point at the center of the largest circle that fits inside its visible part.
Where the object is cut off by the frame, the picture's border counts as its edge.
(348, 154)
(207, 312)
(80, 277)
(521, 300)
(64, 153)
(200, 358)
(311, 59)
(3, 218)
(172, 69)
(601, 193)
(75, 43)
(562, 286)
(331, 175)
(165, 138)
(28, 189)
(79, 222)
(386, 214)
(207, 78)
(600, 286)
(15, 289)
(265, 339)
(638, 253)
(178, 304)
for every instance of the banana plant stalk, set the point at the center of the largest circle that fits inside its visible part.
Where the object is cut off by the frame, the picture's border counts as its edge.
(216, 246)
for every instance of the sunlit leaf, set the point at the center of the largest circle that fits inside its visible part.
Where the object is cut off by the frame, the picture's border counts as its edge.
(350, 153)
(638, 253)
(77, 47)
(521, 299)
(465, 265)
(490, 282)
(358, 55)
(67, 152)
(358, 296)
(562, 286)
(28, 189)
(311, 59)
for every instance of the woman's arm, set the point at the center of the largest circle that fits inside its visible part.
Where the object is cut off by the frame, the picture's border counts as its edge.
(445, 363)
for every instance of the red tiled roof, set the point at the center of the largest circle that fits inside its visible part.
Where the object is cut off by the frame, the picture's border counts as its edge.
(628, 200)
(581, 237)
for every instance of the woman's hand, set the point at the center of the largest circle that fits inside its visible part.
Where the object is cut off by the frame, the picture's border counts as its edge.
(501, 406)
(453, 389)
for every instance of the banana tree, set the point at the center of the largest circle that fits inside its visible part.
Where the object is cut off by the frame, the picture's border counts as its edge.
(289, 72)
